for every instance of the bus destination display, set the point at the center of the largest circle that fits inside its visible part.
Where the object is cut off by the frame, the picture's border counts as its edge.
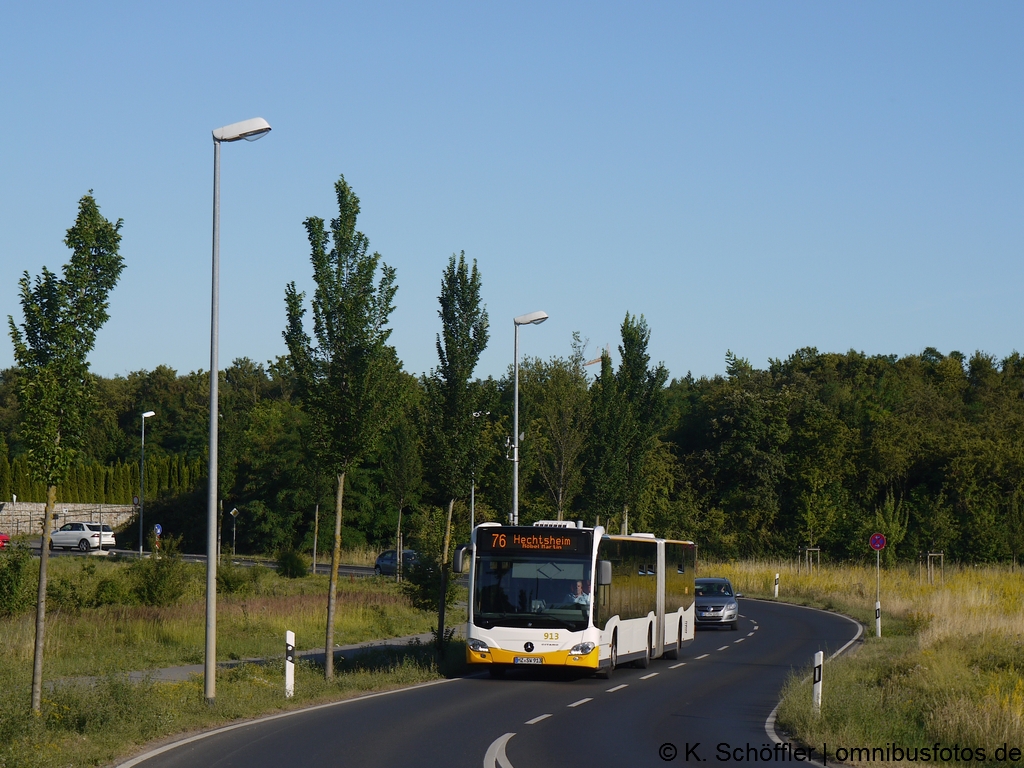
(528, 540)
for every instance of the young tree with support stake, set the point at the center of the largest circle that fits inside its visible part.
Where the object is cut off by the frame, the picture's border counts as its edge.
(61, 318)
(349, 381)
(449, 398)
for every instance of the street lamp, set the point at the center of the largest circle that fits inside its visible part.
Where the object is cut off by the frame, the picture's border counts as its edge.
(234, 529)
(142, 482)
(250, 130)
(534, 318)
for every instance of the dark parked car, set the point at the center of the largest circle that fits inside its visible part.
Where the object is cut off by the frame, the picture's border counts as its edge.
(387, 563)
(716, 604)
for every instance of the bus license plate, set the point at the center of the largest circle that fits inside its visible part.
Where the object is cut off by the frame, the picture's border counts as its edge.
(528, 660)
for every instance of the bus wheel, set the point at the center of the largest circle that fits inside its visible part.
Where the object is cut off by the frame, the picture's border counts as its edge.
(674, 653)
(645, 662)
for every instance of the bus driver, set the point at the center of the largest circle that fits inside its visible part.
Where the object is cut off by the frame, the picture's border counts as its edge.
(579, 596)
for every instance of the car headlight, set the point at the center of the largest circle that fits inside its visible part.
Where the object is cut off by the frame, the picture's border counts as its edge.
(478, 645)
(731, 608)
(581, 649)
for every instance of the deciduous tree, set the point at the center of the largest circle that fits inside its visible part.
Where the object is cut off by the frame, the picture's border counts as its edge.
(61, 316)
(348, 380)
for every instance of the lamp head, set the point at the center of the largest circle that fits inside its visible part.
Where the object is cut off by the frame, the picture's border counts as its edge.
(147, 414)
(534, 318)
(250, 130)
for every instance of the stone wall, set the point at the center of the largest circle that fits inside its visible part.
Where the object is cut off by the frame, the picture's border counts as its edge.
(27, 517)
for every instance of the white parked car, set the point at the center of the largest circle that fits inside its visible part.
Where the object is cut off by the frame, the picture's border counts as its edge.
(83, 536)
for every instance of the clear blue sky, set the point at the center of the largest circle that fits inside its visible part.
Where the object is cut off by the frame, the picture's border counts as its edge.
(757, 177)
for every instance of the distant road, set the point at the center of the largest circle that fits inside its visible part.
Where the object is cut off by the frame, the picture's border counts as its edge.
(717, 697)
(347, 570)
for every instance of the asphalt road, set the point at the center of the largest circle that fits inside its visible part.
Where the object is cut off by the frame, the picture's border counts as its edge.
(720, 692)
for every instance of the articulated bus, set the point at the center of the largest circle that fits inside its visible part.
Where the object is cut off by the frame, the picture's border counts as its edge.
(556, 593)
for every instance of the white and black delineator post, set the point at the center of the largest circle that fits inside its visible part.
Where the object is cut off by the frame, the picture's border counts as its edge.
(289, 664)
(819, 662)
(878, 593)
(776, 586)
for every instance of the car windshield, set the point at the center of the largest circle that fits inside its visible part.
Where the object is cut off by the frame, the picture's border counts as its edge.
(527, 591)
(712, 589)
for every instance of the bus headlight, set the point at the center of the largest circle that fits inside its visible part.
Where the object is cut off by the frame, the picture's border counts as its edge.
(477, 645)
(581, 649)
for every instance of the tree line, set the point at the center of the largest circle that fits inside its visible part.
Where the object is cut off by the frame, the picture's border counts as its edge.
(818, 450)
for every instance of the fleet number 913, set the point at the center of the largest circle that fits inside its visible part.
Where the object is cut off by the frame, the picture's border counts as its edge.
(550, 635)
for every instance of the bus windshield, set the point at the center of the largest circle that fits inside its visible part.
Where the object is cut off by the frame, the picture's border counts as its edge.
(532, 591)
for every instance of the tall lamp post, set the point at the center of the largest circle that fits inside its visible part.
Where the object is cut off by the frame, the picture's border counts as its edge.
(142, 481)
(472, 487)
(250, 130)
(534, 318)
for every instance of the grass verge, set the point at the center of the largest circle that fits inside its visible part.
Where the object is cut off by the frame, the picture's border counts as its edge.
(93, 724)
(947, 676)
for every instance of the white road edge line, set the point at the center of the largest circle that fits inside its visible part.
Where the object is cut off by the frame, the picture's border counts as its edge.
(648, 677)
(200, 736)
(617, 688)
(537, 719)
(581, 701)
(677, 666)
(702, 657)
(769, 724)
(496, 753)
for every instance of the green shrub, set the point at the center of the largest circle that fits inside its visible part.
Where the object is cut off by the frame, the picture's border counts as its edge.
(15, 570)
(113, 591)
(232, 579)
(292, 564)
(422, 584)
(160, 579)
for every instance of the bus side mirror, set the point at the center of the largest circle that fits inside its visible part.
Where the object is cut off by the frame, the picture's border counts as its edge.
(459, 563)
(604, 573)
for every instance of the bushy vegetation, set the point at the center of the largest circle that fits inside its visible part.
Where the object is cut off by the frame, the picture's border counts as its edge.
(16, 572)
(292, 564)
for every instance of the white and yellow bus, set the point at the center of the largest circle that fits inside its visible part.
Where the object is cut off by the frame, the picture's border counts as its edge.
(558, 594)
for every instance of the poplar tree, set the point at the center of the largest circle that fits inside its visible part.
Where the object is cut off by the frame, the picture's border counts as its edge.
(449, 398)
(349, 380)
(61, 316)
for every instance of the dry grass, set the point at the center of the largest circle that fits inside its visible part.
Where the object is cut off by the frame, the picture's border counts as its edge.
(947, 670)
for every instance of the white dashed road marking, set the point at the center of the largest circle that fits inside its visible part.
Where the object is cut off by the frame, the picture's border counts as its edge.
(738, 641)
(677, 666)
(702, 657)
(581, 701)
(723, 648)
(750, 634)
(537, 719)
(617, 688)
(648, 677)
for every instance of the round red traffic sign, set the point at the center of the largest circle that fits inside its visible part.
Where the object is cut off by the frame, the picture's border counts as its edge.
(877, 541)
